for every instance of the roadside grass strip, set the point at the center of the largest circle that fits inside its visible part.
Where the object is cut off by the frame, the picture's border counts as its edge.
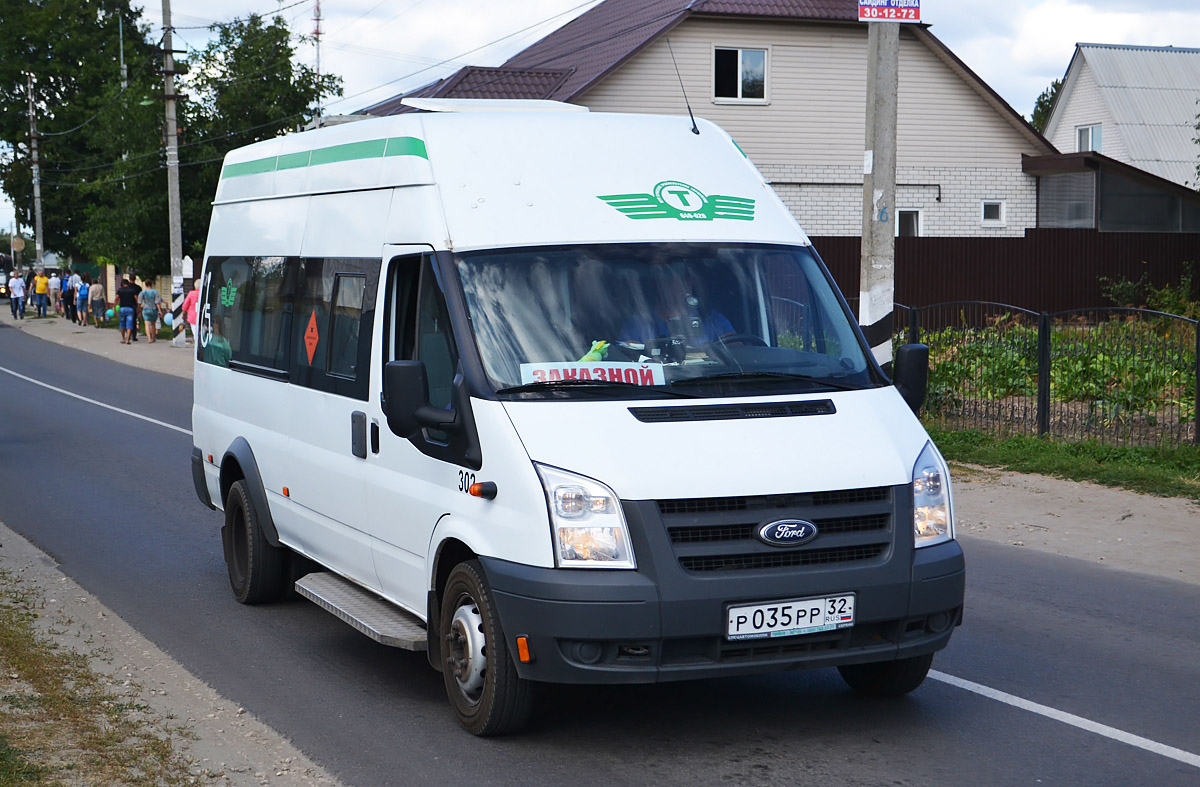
(63, 723)
(98, 404)
(1112, 733)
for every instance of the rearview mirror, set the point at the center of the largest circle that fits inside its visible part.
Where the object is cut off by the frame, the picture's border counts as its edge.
(406, 400)
(911, 374)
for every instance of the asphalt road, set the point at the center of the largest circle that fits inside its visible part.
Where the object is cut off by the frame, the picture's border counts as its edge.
(109, 496)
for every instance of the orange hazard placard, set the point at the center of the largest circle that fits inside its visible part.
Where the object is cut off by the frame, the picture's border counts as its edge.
(311, 337)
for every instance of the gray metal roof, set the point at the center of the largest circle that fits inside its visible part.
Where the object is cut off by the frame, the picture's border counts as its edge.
(1151, 93)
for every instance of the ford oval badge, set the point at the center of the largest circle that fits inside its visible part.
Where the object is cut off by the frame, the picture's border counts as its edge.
(787, 533)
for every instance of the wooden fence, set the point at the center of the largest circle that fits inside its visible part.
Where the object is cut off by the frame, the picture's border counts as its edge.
(1047, 270)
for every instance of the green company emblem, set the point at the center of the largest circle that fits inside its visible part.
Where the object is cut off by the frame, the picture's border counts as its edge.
(228, 294)
(675, 200)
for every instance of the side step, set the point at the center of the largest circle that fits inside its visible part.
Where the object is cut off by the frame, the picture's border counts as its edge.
(383, 622)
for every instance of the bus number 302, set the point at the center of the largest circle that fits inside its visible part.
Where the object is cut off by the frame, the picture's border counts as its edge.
(465, 481)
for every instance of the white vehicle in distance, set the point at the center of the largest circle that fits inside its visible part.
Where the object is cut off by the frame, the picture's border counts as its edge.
(560, 397)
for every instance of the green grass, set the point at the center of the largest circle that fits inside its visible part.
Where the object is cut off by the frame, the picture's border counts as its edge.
(15, 769)
(1165, 471)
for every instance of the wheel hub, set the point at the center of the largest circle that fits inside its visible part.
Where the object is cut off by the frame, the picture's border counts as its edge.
(467, 658)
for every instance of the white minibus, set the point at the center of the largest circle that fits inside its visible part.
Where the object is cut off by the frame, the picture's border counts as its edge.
(560, 397)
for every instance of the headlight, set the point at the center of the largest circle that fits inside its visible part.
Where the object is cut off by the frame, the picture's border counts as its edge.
(933, 505)
(587, 525)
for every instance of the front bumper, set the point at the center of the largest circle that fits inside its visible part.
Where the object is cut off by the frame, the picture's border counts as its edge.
(596, 626)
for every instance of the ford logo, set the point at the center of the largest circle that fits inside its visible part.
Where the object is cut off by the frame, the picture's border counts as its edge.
(787, 533)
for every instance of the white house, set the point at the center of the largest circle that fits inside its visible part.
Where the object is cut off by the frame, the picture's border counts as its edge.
(788, 79)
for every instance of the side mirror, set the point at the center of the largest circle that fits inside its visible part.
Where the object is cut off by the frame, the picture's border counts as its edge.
(406, 400)
(911, 374)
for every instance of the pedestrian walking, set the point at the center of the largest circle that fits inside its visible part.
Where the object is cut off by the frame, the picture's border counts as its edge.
(68, 300)
(138, 289)
(81, 299)
(16, 295)
(54, 291)
(127, 301)
(41, 292)
(150, 302)
(190, 302)
(96, 298)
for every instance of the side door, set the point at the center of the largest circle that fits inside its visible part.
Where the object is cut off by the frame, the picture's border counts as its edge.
(412, 483)
(332, 332)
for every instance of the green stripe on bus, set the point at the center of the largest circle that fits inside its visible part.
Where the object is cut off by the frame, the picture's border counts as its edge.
(292, 161)
(406, 146)
(371, 148)
(256, 167)
(351, 151)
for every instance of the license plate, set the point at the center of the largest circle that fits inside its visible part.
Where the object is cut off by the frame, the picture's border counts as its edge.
(791, 617)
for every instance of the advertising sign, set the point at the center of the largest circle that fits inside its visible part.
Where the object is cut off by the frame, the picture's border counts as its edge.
(889, 10)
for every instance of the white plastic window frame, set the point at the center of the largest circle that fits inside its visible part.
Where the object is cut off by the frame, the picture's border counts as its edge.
(920, 220)
(984, 221)
(712, 90)
(1095, 137)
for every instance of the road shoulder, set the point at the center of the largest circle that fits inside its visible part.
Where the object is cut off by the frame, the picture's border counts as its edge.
(225, 744)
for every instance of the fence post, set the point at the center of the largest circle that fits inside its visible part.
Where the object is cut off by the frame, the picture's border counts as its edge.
(1043, 389)
(1196, 404)
(914, 326)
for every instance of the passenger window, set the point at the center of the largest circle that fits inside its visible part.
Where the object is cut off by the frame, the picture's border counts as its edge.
(247, 306)
(347, 317)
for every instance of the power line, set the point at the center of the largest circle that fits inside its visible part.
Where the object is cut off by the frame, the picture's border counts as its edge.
(104, 108)
(238, 19)
(464, 54)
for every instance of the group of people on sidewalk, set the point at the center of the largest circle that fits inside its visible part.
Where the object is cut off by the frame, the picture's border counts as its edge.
(76, 295)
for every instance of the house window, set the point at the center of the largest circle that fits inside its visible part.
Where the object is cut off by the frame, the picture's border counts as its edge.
(740, 75)
(908, 223)
(1090, 138)
(992, 213)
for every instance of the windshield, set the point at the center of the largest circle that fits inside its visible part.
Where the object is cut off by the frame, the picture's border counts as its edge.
(711, 319)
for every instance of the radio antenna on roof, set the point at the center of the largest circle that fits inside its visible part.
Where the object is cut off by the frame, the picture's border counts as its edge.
(682, 89)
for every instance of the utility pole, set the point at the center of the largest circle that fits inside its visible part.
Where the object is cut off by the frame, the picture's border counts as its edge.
(317, 38)
(176, 230)
(877, 271)
(37, 182)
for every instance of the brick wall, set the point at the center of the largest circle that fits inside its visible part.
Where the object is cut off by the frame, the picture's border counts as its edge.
(827, 200)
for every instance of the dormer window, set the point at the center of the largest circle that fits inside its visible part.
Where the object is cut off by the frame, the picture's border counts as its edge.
(1089, 139)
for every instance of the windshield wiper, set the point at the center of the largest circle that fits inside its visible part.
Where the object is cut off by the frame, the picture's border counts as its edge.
(556, 385)
(752, 376)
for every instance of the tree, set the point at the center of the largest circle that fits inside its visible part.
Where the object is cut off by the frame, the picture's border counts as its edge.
(1044, 106)
(102, 148)
(245, 88)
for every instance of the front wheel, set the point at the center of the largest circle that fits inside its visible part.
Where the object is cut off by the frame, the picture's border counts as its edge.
(487, 695)
(888, 678)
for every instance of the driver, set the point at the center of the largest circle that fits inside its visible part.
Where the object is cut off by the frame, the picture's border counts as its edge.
(676, 312)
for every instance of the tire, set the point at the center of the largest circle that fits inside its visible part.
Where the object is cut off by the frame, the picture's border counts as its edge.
(487, 695)
(887, 678)
(257, 570)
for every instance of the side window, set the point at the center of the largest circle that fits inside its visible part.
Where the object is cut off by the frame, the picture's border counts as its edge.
(246, 312)
(331, 330)
(349, 290)
(435, 342)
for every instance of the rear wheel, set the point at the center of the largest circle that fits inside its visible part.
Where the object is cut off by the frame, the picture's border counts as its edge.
(888, 678)
(257, 570)
(487, 695)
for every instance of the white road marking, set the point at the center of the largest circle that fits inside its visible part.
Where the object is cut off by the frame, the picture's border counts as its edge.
(1069, 718)
(98, 404)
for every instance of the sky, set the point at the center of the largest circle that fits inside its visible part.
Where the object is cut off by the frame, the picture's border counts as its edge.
(384, 47)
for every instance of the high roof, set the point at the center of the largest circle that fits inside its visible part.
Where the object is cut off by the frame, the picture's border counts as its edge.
(1151, 94)
(581, 52)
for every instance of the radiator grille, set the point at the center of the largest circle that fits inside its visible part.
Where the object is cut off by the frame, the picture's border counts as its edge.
(807, 557)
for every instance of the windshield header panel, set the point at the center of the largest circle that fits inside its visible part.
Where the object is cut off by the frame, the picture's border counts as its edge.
(653, 320)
